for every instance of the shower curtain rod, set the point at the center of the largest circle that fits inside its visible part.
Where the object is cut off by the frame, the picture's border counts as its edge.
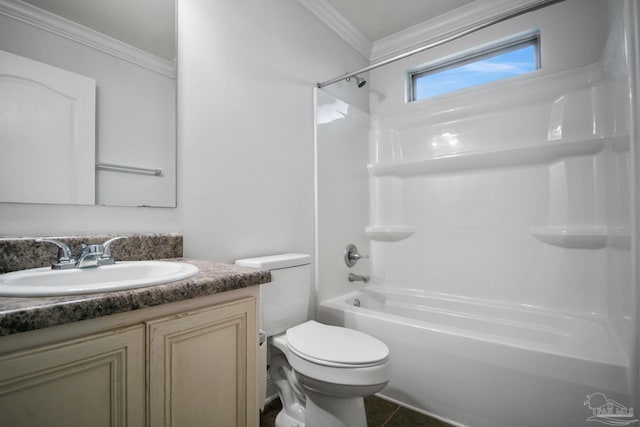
(465, 31)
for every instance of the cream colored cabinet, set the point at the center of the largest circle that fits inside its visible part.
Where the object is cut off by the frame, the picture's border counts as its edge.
(191, 363)
(92, 381)
(202, 367)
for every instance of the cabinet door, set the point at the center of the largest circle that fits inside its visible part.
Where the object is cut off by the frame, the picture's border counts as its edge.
(94, 381)
(202, 367)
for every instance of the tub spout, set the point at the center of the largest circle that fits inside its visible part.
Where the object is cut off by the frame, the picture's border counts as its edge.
(358, 278)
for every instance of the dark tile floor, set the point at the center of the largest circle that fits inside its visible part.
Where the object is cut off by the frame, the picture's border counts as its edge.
(380, 413)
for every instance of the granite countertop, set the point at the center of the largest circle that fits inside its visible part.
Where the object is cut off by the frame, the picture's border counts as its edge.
(27, 314)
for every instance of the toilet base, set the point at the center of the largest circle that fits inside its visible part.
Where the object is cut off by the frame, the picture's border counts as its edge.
(312, 402)
(284, 420)
(323, 411)
(328, 411)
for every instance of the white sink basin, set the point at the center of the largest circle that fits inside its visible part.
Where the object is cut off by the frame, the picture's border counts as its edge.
(39, 282)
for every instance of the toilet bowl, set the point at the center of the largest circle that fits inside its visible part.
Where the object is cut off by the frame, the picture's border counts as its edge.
(321, 372)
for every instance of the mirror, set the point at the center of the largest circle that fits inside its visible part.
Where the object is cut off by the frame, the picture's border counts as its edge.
(128, 49)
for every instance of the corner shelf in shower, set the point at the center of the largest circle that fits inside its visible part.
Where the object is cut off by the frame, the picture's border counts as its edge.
(585, 237)
(389, 233)
(547, 152)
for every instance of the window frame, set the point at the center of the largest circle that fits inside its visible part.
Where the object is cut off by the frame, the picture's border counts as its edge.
(513, 43)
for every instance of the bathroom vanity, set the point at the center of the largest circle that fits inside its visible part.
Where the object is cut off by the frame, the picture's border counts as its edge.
(181, 353)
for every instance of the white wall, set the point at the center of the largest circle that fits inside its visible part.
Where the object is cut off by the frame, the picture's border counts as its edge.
(23, 220)
(342, 196)
(245, 106)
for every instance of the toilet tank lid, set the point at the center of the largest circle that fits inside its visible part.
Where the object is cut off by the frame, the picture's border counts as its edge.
(274, 262)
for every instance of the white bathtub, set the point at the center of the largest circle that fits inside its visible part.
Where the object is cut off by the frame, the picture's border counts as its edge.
(478, 363)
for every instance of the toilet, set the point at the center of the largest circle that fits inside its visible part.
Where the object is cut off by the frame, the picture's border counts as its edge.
(322, 372)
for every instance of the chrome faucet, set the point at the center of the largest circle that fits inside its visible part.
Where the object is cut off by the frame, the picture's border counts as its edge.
(358, 278)
(351, 255)
(89, 256)
(64, 258)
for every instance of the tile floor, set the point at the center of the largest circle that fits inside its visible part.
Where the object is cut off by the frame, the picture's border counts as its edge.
(380, 413)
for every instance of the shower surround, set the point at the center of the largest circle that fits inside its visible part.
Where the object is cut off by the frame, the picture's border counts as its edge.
(500, 229)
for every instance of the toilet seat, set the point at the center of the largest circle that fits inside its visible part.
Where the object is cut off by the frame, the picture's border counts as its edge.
(335, 346)
(372, 368)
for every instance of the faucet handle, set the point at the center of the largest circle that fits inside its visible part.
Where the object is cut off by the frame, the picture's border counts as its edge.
(106, 246)
(64, 258)
(351, 255)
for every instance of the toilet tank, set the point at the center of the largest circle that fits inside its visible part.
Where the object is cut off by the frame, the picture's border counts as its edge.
(286, 300)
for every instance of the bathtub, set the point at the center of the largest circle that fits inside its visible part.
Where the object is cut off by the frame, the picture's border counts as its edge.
(478, 363)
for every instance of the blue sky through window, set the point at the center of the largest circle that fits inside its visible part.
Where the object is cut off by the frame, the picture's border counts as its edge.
(488, 69)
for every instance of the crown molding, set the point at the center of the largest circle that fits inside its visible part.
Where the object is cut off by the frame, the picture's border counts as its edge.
(62, 27)
(445, 24)
(330, 16)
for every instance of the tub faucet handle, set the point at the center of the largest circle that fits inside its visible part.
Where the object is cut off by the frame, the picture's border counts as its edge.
(351, 255)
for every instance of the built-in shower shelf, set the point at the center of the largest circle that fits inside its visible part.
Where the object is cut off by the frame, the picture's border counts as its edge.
(572, 237)
(389, 233)
(546, 152)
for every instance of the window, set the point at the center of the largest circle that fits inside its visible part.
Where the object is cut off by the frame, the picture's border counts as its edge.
(517, 56)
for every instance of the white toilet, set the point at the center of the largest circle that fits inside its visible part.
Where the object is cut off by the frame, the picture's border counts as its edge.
(321, 371)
